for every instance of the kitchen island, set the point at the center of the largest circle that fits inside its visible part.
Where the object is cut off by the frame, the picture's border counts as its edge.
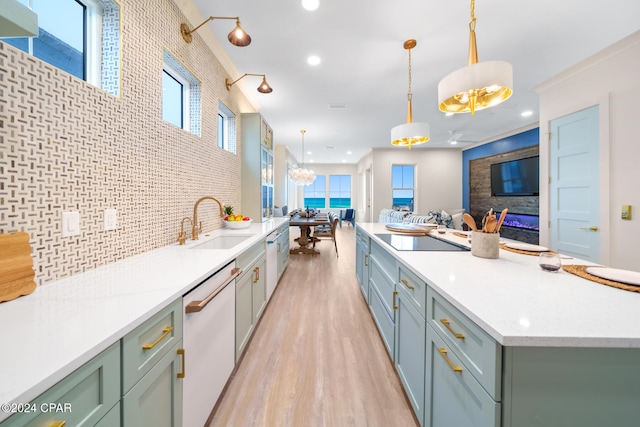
(50, 333)
(504, 343)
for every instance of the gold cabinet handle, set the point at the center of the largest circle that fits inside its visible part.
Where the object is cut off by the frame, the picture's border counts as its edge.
(198, 305)
(166, 331)
(445, 322)
(181, 353)
(57, 424)
(278, 247)
(592, 228)
(395, 307)
(366, 260)
(454, 368)
(404, 282)
(256, 272)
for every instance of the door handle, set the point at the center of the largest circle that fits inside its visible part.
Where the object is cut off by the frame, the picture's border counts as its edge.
(592, 228)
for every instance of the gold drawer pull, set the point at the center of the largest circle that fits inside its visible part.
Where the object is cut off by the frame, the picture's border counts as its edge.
(181, 353)
(445, 322)
(395, 307)
(166, 331)
(404, 282)
(454, 368)
(366, 260)
(198, 305)
(57, 424)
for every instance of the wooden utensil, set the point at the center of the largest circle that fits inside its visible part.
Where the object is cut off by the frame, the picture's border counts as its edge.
(471, 223)
(503, 214)
(16, 266)
(490, 226)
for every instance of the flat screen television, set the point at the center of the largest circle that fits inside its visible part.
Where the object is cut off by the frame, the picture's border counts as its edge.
(516, 178)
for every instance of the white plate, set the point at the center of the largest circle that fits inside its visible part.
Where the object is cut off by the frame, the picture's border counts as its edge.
(615, 274)
(526, 247)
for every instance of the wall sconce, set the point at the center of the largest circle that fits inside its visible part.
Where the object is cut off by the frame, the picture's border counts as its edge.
(237, 36)
(263, 88)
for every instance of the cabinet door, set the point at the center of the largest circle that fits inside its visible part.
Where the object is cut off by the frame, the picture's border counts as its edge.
(259, 289)
(411, 335)
(384, 321)
(244, 311)
(156, 400)
(362, 269)
(453, 397)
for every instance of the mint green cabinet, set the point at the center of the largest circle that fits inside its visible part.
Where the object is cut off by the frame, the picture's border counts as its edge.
(453, 396)
(257, 167)
(410, 339)
(156, 400)
(83, 398)
(283, 248)
(251, 293)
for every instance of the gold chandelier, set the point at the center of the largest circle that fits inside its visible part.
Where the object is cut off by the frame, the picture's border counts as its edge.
(410, 133)
(478, 85)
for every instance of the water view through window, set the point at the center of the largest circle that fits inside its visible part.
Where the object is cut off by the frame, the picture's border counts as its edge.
(402, 181)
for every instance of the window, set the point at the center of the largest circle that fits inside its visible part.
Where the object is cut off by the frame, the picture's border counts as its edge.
(403, 182)
(226, 128)
(71, 36)
(339, 191)
(180, 96)
(314, 194)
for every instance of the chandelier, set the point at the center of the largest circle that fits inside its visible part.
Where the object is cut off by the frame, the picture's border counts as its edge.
(300, 175)
(410, 133)
(478, 85)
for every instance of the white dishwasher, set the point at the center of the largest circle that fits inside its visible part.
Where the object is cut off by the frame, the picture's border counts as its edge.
(209, 343)
(272, 262)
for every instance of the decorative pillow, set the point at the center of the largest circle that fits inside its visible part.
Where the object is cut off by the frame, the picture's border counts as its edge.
(457, 221)
(442, 218)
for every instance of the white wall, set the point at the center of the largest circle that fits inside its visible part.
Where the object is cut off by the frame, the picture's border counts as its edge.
(611, 80)
(438, 176)
(283, 188)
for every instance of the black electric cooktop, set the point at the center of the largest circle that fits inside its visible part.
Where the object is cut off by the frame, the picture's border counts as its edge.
(420, 243)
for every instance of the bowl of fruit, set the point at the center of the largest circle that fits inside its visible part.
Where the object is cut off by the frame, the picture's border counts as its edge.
(236, 221)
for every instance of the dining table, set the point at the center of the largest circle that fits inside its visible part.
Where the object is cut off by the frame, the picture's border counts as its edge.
(305, 241)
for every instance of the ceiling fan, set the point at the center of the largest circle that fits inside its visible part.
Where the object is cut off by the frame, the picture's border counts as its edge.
(455, 137)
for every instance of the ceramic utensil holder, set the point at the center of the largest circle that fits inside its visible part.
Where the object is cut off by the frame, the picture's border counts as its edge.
(485, 245)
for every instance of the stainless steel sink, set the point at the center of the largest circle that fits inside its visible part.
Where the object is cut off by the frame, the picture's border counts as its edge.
(222, 242)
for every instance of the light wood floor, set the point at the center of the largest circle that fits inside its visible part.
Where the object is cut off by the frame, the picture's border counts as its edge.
(316, 358)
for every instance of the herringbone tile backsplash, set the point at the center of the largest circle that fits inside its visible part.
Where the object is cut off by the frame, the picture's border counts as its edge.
(66, 145)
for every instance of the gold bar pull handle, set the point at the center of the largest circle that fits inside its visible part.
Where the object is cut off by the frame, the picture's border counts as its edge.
(57, 424)
(165, 332)
(198, 305)
(366, 260)
(445, 322)
(404, 282)
(181, 353)
(454, 368)
(592, 228)
(395, 293)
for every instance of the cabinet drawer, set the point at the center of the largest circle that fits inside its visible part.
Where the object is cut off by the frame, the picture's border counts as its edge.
(383, 283)
(81, 399)
(454, 397)
(480, 353)
(145, 345)
(362, 238)
(250, 256)
(415, 289)
(385, 260)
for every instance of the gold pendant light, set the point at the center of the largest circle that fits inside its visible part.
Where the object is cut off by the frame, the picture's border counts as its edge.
(300, 175)
(410, 133)
(478, 85)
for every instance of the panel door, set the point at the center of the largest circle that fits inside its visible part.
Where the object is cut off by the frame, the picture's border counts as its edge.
(574, 192)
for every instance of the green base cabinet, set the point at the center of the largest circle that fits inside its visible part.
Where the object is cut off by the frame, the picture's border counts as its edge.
(156, 400)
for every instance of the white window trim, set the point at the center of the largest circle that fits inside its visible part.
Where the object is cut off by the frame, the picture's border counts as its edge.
(93, 40)
(186, 94)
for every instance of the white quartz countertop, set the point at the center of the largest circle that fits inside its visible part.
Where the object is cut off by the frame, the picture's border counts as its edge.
(53, 331)
(518, 304)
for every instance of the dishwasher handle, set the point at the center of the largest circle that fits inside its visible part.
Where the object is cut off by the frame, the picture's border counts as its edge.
(197, 305)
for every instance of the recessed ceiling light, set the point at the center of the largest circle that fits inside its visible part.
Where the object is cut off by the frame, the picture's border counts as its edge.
(454, 142)
(349, 152)
(310, 4)
(344, 161)
(313, 60)
(311, 161)
(527, 113)
(309, 152)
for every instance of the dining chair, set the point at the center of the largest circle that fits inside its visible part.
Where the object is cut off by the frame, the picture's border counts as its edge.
(320, 233)
(348, 215)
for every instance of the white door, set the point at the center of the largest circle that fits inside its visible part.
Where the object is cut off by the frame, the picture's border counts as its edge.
(574, 192)
(368, 217)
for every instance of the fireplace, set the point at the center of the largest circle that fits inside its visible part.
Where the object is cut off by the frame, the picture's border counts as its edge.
(522, 221)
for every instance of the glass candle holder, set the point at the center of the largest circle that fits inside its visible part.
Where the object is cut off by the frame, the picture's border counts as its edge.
(549, 261)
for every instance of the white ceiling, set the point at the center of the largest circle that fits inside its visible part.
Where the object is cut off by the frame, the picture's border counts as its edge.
(365, 67)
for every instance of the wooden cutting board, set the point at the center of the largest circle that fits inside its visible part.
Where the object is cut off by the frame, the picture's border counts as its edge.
(16, 266)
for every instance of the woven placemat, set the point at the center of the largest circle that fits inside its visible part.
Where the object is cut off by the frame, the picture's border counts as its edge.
(580, 270)
(520, 251)
(464, 236)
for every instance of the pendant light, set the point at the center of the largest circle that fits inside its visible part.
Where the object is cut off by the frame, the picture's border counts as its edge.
(410, 133)
(302, 176)
(478, 85)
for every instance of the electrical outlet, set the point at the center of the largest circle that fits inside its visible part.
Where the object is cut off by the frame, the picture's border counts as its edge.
(70, 224)
(110, 219)
(626, 212)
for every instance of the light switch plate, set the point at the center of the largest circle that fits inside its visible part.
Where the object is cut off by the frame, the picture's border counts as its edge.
(626, 212)
(110, 219)
(70, 224)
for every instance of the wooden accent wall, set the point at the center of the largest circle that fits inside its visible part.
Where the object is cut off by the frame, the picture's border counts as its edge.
(480, 199)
